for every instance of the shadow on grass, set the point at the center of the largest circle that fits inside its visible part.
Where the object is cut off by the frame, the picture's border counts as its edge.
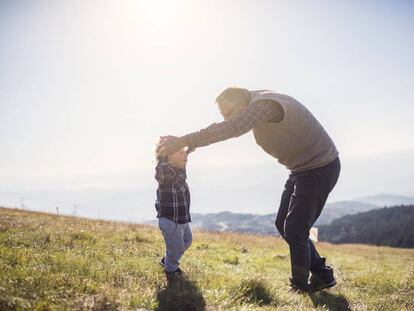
(330, 301)
(180, 294)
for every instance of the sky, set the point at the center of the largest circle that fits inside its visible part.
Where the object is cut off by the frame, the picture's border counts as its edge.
(89, 86)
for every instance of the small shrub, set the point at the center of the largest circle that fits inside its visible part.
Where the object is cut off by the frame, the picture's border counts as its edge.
(44, 306)
(99, 302)
(281, 256)
(202, 246)
(81, 236)
(232, 260)
(243, 250)
(135, 239)
(251, 291)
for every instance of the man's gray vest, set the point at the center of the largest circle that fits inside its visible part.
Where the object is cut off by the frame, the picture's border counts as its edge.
(299, 142)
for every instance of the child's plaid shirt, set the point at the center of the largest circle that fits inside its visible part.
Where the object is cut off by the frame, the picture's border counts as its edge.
(173, 194)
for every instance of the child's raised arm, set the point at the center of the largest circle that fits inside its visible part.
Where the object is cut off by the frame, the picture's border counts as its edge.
(164, 173)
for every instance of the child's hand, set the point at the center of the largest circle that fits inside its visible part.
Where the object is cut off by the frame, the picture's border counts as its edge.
(169, 145)
(161, 150)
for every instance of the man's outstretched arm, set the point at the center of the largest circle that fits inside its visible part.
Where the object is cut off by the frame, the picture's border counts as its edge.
(254, 114)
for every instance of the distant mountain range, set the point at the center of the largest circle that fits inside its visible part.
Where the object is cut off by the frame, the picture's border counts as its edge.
(235, 222)
(264, 224)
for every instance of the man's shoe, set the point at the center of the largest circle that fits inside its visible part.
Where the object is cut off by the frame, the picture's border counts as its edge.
(299, 288)
(322, 279)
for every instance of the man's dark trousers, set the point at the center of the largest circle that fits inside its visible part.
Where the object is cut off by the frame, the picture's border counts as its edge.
(301, 204)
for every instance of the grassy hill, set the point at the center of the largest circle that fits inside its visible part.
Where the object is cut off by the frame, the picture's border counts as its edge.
(52, 262)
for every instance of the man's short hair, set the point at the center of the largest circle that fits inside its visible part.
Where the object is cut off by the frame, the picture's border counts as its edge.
(234, 94)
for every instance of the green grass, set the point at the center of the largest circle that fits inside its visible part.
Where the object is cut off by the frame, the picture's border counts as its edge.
(50, 262)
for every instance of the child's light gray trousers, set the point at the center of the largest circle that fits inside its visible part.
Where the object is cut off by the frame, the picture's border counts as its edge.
(178, 238)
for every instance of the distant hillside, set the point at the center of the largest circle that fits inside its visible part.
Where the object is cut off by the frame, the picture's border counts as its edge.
(264, 224)
(338, 209)
(235, 222)
(392, 226)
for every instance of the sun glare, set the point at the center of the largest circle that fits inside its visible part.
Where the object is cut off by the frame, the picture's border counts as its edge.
(157, 14)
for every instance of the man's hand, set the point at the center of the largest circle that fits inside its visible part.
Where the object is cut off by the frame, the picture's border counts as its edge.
(170, 145)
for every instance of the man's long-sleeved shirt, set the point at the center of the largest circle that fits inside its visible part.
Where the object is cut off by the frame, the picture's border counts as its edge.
(254, 114)
(282, 127)
(173, 194)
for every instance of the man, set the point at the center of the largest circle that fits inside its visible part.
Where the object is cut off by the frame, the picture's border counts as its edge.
(288, 131)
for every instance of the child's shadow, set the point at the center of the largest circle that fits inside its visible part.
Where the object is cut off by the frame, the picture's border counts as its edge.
(330, 301)
(180, 294)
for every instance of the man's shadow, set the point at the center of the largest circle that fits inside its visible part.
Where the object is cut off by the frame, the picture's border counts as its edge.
(180, 294)
(330, 301)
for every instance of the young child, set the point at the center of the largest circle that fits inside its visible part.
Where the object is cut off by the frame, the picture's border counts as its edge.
(173, 208)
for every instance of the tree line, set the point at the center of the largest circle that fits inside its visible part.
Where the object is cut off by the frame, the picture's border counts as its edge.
(388, 226)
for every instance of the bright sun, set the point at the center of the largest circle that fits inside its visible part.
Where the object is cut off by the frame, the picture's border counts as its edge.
(157, 14)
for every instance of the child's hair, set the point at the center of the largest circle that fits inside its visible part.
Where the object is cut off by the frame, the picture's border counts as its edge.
(163, 139)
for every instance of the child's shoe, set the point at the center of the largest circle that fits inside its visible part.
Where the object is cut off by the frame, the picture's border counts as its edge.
(177, 273)
(162, 261)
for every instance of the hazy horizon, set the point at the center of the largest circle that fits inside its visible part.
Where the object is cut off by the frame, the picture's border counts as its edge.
(241, 188)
